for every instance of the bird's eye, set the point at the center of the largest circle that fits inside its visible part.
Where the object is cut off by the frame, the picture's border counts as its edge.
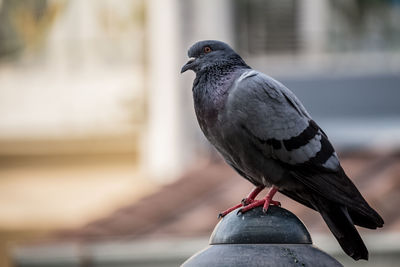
(207, 49)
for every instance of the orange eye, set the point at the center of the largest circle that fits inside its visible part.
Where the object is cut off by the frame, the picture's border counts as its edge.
(207, 49)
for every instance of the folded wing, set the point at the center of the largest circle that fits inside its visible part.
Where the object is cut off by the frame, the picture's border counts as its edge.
(280, 127)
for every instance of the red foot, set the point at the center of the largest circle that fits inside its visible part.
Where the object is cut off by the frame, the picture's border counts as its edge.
(262, 202)
(226, 212)
(246, 201)
(265, 202)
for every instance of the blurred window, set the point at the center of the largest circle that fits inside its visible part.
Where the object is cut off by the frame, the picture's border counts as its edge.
(267, 26)
(363, 25)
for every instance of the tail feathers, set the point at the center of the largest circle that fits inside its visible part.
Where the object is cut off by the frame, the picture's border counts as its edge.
(361, 213)
(372, 220)
(367, 218)
(339, 222)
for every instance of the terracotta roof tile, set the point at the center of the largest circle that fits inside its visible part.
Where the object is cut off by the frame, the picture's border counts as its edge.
(190, 205)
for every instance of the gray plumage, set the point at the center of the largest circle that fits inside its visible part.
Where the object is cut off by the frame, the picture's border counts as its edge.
(264, 132)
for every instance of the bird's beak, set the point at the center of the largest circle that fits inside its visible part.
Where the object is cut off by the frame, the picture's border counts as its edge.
(188, 64)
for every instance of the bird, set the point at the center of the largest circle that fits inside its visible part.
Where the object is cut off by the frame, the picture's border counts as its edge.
(266, 135)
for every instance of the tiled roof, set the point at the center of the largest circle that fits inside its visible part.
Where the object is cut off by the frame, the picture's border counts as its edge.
(190, 205)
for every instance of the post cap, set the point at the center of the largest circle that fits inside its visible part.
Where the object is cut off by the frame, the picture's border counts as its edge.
(275, 239)
(277, 226)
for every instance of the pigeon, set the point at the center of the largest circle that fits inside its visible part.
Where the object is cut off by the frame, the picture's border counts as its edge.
(265, 134)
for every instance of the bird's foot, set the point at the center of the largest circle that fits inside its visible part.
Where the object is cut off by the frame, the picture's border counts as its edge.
(226, 212)
(243, 203)
(262, 202)
(246, 201)
(265, 202)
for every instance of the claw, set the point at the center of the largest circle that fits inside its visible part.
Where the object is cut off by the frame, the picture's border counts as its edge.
(239, 212)
(265, 210)
(270, 202)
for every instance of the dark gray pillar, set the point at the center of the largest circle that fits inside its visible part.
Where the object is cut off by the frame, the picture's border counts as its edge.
(277, 238)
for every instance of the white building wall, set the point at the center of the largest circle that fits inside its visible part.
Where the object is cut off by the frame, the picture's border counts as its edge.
(173, 137)
(162, 146)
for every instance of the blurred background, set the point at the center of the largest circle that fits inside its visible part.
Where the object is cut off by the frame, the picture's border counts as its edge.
(101, 159)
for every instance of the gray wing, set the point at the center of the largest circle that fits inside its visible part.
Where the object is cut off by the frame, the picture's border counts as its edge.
(279, 127)
(278, 124)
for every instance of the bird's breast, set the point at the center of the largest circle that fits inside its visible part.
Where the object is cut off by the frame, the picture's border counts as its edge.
(210, 93)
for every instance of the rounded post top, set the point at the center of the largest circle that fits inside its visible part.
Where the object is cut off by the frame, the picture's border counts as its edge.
(273, 239)
(277, 226)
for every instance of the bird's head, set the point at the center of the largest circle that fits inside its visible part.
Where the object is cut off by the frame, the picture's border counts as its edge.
(211, 53)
